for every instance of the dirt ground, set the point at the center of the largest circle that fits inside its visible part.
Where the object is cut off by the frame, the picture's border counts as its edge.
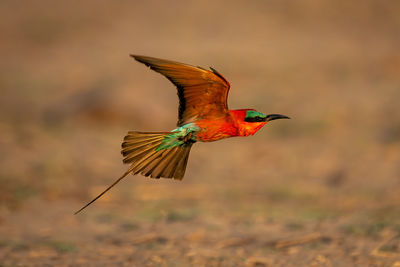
(322, 189)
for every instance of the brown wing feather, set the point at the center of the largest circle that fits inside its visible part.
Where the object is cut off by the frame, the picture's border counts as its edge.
(202, 93)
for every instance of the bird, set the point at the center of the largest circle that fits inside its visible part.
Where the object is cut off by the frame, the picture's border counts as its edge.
(203, 116)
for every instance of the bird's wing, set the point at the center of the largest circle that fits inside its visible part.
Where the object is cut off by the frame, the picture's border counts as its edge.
(202, 93)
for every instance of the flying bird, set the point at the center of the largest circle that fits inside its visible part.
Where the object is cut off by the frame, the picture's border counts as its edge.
(203, 116)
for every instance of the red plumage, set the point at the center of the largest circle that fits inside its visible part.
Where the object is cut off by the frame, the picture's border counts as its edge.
(230, 126)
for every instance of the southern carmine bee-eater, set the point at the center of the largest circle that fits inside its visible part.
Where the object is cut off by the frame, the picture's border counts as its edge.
(203, 116)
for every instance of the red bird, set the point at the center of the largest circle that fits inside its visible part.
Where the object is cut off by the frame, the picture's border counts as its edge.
(203, 116)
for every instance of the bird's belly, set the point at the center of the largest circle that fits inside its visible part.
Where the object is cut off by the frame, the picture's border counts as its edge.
(215, 131)
(210, 137)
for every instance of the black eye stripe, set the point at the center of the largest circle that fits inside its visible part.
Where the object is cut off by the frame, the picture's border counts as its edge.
(254, 119)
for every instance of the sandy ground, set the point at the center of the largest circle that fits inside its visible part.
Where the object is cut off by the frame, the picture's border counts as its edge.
(322, 189)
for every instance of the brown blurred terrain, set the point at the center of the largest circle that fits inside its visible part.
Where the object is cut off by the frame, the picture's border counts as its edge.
(322, 189)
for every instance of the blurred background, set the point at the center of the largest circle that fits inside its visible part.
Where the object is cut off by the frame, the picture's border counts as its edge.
(322, 189)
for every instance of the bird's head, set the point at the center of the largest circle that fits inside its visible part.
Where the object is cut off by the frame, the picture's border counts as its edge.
(250, 120)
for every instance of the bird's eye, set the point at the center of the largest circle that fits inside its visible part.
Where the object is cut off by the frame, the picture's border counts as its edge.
(254, 119)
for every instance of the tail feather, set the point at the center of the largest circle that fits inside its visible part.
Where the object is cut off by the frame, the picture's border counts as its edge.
(160, 169)
(146, 160)
(141, 149)
(181, 166)
(141, 137)
(130, 147)
(171, 165)
(149, 169)
(105, 191)
(138, 154)
(136, 145)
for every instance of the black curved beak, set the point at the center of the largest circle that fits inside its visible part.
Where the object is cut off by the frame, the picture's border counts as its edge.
(271, 117)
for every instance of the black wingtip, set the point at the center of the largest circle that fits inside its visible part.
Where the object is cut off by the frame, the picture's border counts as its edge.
(136, 57)
(142, 59)
(219, 75)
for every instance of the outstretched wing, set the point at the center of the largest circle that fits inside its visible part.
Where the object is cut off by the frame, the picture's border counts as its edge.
(202, 93)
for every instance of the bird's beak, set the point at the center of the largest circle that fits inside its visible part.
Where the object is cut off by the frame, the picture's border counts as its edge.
(271, 117)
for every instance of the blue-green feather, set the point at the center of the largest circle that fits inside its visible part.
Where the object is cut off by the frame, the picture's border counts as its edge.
(177, 136)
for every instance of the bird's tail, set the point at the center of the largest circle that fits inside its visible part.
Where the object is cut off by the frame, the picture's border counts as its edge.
(153, 154)
(157, 154)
